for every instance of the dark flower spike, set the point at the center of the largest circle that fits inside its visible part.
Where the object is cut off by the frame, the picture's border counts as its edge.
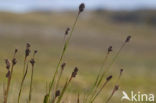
(63, 65)
(28, 45)
(116, 87)
(81, 7)
(16, 50)
(27, 51)
(7, 64)
(32, 61)
(109, 49)
(121, 70)
(128, 39)
(57, 93)
(67, 31)
(14, 61)
(35, 51)
(109, 78)
(8, 74)
(75, 72)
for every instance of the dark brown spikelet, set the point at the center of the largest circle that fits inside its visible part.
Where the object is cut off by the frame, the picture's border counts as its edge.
(35, 51)
(7, 64)
(121, 70)
(109, 49)
(109, 78)
(116, 87)
(14, 61)
(63, 65)
(16, 50)
(8, 74)
(32, 61)
(67, 31)
(57, 93)
(81, 7)
(75, 72)
(28, 45)
(27, 51)
(128, 39)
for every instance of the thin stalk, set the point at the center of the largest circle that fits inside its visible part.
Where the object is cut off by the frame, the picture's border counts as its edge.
(62, 54)
(99, 92)
(95, 86)
(78, 98)
(24, 76)
(109, 67)
(59, 77)
(8, 85)
(31, 83)
(113, 92)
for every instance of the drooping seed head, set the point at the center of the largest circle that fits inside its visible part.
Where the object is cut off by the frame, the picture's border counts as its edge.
(63, 65)
(7, 62)
(57, 93)
(74, 73)
(14, 61)
(109, 78)
(67, 31)
(32, 61)
(109, 49)
(81, 7)
(128, 39)
(8, 74)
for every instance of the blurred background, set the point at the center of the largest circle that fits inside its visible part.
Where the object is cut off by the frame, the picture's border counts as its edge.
(104, 22)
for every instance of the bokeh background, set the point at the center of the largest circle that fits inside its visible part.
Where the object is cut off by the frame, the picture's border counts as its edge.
(104, 22)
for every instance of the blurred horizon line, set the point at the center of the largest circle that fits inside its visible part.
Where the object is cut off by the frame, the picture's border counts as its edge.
(21, 6)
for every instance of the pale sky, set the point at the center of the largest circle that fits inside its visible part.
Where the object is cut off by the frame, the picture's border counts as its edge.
(28, 5)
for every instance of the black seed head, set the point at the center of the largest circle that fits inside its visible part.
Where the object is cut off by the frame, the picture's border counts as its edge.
(74, 73)
(35, 51)
(14, 61)
(67, 31)
(81, 7)
(109, 49)
(28, 45)
(57, 93)
(128, 39)
(8, 74)
(63, 65)
(32, 61)
(116, 87)
(27, 52)
(7, 62)
(121, 70)
(109, 78)
(16, 50)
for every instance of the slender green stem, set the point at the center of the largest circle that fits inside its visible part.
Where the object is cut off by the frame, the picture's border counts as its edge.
(31, 83)
(95, 86)
(62, 54)
(21, 86)
(59, 77)
(99, 92)
(109, 67)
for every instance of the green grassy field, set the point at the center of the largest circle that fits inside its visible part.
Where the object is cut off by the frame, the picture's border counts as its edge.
(91, 38)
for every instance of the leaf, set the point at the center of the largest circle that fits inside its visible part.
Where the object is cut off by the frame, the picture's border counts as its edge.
(46, 98)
